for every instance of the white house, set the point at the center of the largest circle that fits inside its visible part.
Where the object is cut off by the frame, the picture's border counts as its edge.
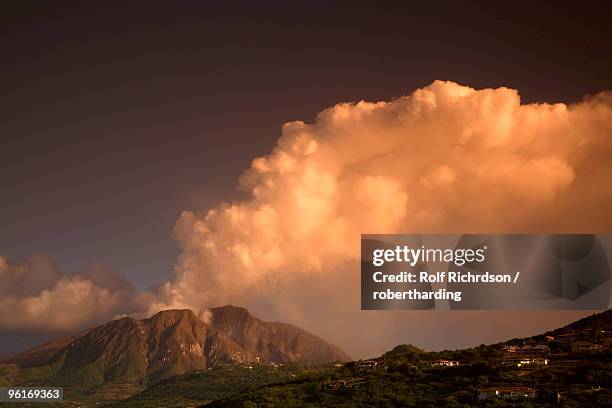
(506, 393)
(367, 365)
(532, 361)
(511, 349)
(443, 363)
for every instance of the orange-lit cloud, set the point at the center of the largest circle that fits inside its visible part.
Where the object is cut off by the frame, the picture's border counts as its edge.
(445, 159)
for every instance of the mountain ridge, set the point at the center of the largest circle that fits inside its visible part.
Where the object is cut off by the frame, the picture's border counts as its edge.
(144, 351)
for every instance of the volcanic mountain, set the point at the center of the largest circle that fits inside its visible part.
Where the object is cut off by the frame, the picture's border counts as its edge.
(142, 352)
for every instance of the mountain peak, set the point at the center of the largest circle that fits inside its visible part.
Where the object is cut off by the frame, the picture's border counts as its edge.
(230, 310)
(172, 315)
(174, 341)
(172, 312)
(232, 315)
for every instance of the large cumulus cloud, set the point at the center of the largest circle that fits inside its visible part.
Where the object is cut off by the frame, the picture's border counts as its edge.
(446, 158)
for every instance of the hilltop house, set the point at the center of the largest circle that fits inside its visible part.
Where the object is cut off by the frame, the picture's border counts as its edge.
(523, 361)
(535, 361)
(511, 349)
(443, 363)
(367, 365)
(506, 393)
(538, 348)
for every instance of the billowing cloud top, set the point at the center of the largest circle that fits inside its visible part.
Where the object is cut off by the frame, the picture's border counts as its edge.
(447, 158)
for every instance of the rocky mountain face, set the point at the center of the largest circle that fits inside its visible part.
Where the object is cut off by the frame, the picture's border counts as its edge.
(171, 342)
(278, 342)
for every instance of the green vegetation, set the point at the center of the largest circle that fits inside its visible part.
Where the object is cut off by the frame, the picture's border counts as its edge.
(194, 389)
(403, 378)
(577, 373)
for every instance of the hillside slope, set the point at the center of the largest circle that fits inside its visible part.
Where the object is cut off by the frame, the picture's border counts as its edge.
(569, 367)
(123, 356)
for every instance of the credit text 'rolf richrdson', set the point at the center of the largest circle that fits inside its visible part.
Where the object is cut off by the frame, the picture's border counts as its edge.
(439, 277)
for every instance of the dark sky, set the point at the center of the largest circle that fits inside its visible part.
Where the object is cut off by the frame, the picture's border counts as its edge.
(117, 116)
